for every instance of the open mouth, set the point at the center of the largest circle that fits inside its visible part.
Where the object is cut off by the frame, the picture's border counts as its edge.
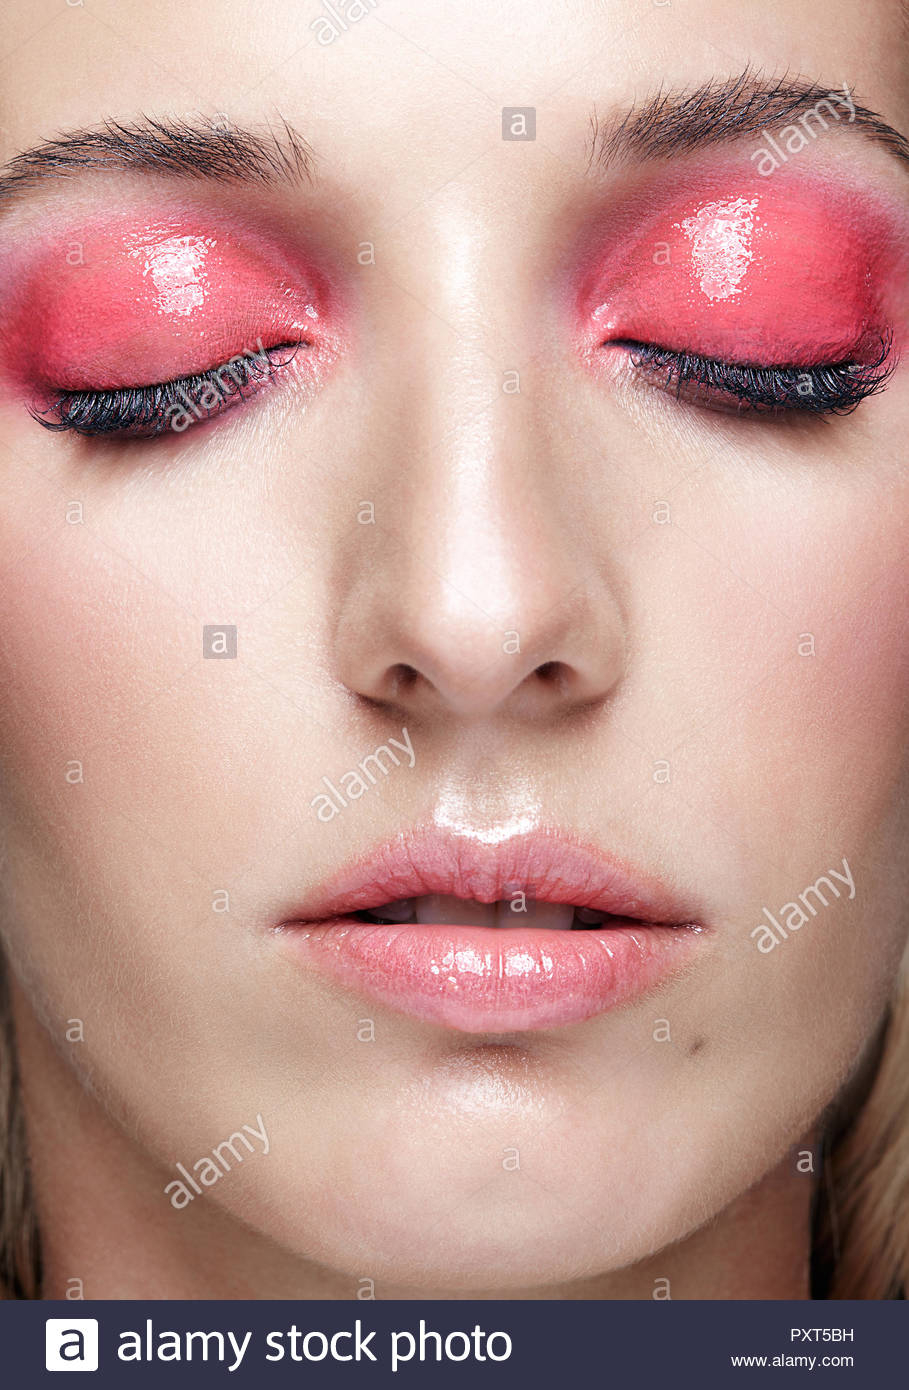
(533, 932)
(510, 914)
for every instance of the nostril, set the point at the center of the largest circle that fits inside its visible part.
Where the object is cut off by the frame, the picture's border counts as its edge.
(403, 677)
(550, 673)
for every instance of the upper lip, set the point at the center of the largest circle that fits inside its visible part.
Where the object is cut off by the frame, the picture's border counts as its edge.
(549, 865)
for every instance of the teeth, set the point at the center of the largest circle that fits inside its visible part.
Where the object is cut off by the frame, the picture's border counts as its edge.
(442, 909)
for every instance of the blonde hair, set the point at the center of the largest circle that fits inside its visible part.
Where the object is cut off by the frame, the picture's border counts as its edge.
(20, 1272)
(861, 1226)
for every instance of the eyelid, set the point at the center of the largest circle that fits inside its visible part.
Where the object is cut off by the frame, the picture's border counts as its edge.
(777, 270)
(175, 405)
(150, 300)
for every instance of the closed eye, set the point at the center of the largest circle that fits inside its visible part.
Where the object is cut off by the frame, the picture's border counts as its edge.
(828, 388)
(169, 406)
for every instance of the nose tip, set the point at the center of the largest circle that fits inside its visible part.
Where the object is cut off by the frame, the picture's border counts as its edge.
(451, 657)
(486, 687)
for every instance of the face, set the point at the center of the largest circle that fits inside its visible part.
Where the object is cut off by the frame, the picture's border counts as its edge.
(522, 559)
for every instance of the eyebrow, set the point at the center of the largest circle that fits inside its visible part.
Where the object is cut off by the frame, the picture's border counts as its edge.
(666, 125)
(202, 149)
(720, 111)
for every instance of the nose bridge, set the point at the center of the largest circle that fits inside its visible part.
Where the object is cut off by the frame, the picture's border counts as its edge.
(478, 588)
(479, 505)
(460, 362)
(483, 571)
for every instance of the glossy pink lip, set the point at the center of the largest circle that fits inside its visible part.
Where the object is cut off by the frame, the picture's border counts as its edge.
(488, 979)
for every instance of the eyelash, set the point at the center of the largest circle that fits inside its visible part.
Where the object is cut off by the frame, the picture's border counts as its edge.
(834, 388)
(826, 389)
(148, 411)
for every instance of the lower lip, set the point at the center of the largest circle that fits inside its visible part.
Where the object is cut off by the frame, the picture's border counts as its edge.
(494, 980)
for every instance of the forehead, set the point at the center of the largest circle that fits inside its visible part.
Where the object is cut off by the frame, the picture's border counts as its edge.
(415, 92)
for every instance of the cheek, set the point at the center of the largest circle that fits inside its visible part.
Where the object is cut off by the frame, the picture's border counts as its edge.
(95, 659)
(72, 684)
(123, 748)
(803, 762)
(111, 748)
(774, 679)
(80, 734)
(840, 706)
(823, 743)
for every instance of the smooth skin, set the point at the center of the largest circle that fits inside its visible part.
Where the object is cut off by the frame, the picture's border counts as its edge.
(599, 1160)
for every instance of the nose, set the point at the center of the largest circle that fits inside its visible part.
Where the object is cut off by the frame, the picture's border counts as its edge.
(479, 593)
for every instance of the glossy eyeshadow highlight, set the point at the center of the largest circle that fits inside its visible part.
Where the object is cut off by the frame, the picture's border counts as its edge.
(749, 271)
(139, 302)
